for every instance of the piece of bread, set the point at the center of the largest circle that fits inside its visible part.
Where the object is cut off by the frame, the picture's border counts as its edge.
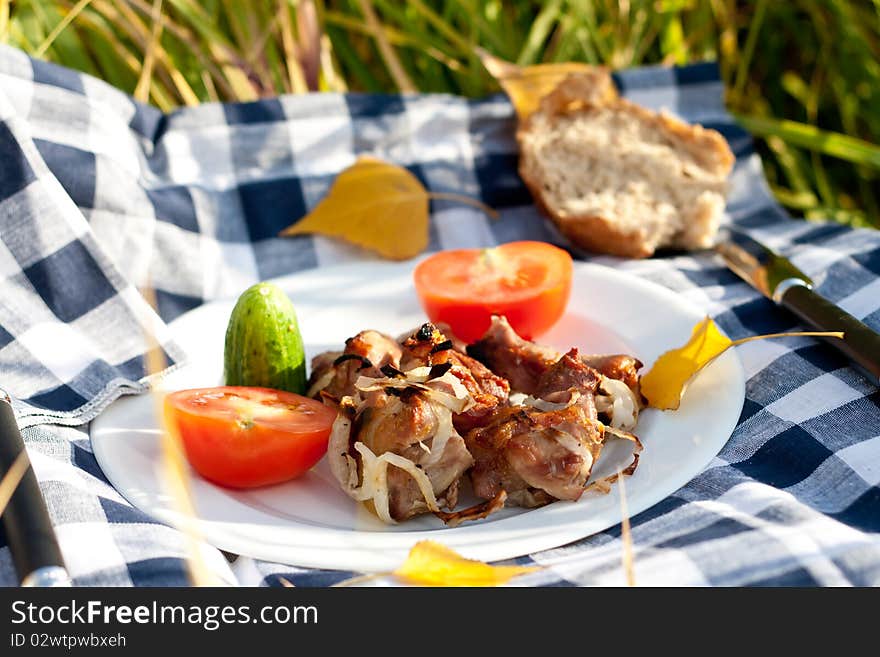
(618, 178)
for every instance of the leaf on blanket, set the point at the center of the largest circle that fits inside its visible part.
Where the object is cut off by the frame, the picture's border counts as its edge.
(665, 384)
(432, 564)
(527, 85)
(378, 206)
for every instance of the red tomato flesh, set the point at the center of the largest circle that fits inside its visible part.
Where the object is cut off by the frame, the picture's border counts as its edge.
(528, 282)
(244, 437)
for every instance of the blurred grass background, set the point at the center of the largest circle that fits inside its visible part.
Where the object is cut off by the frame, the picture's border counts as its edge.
(802, 75)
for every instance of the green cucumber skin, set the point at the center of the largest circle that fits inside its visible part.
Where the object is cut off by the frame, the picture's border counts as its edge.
(263, 344)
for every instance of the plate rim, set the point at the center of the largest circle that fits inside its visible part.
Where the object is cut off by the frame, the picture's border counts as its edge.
(370, 555)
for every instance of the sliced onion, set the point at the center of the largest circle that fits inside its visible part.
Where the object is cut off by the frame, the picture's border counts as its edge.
(458, 400)
(545, 406)
(444, 432)
(619, 402)
(375, 481)
(322, 382)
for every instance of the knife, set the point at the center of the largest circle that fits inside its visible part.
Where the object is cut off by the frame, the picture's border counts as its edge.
(778, 279)
(32, 542)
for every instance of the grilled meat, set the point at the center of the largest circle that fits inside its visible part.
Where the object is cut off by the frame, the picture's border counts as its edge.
(519, 361)
(334, 373)
(523, 363)
(428, 346)
(543, 450)
(416, 415)
(394, 444)
(566, 376)
(535, 456)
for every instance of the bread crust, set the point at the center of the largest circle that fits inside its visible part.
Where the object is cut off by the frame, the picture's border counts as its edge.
(583, 94)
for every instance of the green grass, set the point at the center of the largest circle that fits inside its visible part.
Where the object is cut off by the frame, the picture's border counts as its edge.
(802, 75)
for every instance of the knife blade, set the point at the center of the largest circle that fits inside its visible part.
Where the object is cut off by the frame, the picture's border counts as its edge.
(777, 278)
(29, 531)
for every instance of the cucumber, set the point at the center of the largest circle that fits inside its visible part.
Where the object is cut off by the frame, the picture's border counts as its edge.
(263, 344)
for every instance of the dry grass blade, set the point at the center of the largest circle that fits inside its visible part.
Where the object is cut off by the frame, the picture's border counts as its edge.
(12, 479)
(175, 470)
(142, 90)
(309, 49)
(67, 20)
(331, 79)
(4, 20)
(296, 78)
(395, 68)
(626, 534)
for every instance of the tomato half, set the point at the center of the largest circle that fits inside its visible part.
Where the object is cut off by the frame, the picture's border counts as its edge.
(528, 282)
(246, 437)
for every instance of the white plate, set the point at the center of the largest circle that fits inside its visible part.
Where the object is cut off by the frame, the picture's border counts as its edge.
(311, 522)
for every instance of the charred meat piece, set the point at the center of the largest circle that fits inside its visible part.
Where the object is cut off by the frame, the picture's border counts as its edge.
(536, 456)
(334, 373)
(423, 347)
(475, 512)
(519, 361)
(489, 391)
(457, 343)
(428, 346)
(567, 375)
(399, 424)
(617, 366)
(393, 445)
(523, 363)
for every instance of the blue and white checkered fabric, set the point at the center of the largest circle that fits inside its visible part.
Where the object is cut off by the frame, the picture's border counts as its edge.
(100, 196)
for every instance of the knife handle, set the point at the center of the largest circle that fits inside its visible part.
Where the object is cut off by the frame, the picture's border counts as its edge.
(860, 342)
(29, 532)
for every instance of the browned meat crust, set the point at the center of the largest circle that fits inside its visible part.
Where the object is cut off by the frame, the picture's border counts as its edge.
(334, 373)
(527, 452)
(429, 346)
(523, 363)
(475, 512)
(526, 455)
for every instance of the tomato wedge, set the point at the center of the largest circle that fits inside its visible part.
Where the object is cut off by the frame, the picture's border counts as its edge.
(246, 437)
(528, 282)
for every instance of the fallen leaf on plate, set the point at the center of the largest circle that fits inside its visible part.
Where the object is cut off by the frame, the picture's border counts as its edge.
(664, 385)
(378, 206)
(433, 564)
(527, 85)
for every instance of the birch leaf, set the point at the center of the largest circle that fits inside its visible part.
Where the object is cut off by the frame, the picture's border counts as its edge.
(433, 564)
(378, 206)
(527, 85)
(665, 384)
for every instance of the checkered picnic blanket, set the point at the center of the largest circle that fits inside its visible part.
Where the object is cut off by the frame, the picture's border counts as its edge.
(101, 196)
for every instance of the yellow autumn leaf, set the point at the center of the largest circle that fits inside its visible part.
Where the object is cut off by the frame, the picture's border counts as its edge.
(664, 385)
(378, 206)
(527, 85)
(433, 564)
